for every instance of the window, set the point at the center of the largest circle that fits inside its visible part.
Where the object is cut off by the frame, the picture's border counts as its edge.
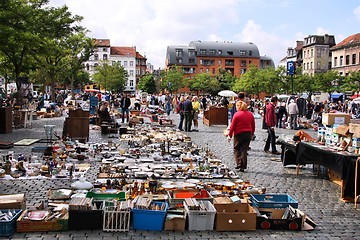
(341, 60)
(335, 61)
(230, 53)
(213, 70)
(347, 59)
(307, 66)
(243, 63)
(220, 52)
(105, 57)
(304, 66)
(191, 53)
(137, 62)
(249, 62)
(207, 70)
(312, 52)
(125, 63)
(353, 59)
(311, 65)
(250, 53)
(202, 51)
(318, 53)
(220, 62)
(201, 62)
(178, 52)
(131, 63)
(242, 53)
(304, 54)
(96, 57)
(131, 83)
(119, 62)
(131, 73)
(308, 53)
(191, 61)
(179, 60)
(212, 52)
(242, 70)
(318, 65)
(137, 71)
(201, 70)
(104, 49)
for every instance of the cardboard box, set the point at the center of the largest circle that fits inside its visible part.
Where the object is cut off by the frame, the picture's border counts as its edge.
(13, 201)
(235, 217)
(25, 225)
(355, 130)
(175, 220)
(342, 130)
(335, 118)
(271, 218)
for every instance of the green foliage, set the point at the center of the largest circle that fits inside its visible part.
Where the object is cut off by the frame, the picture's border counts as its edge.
(351, 82)
(172, 79)
(111, 77)
(147, 83)
(225, 79)
(200, 82)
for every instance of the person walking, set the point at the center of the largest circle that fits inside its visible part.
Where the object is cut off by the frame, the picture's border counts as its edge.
(270, 121)
(196, 110)
(293, 112)
(242, 128)
(188, 111)
(125, 104)
(281, 113)
(181, 112)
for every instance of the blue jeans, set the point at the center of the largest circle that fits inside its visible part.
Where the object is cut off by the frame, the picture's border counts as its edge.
(123, 111)
(270, 140)
(181, 120)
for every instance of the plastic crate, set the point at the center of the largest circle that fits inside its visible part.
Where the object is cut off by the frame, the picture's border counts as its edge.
(273, 200)
(85, 219)
(106, 195)
(149, 219)
(7, 228)
(177, 197)
(201, 220)
(116, 221)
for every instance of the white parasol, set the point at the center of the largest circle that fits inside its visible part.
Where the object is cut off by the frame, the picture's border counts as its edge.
(227, 93)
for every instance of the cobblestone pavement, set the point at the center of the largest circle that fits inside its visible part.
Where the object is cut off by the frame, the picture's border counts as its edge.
(317, 196)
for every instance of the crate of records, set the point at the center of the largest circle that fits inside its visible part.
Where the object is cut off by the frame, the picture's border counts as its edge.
(148, 214)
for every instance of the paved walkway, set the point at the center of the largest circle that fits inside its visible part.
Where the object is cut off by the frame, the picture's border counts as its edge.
(317, 196)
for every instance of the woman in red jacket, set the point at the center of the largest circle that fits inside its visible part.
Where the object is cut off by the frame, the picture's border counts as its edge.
(242, 128)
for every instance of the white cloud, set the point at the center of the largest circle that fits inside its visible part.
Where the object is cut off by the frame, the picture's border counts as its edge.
(269, 44)
(151, 26)
(357, 13)
(322, 31)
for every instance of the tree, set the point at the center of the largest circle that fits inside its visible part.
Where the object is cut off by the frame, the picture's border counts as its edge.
(20, 33)
(202, 82)
(249, 82)
(352, 82)
(225, 78)
(59, 48)
(111, 77)
(147, 83)
(172, 79)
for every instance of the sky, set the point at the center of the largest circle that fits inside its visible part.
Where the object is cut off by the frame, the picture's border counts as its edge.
(272, 25)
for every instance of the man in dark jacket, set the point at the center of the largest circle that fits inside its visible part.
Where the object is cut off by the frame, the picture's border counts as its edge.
(188, 110)
(270, 120)
(125, 104)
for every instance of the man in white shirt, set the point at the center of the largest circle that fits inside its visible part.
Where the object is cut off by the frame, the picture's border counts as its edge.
(293, 112)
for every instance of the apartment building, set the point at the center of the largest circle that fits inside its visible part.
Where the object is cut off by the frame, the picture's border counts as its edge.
(316, 53)
(132, 61)
(346, 55)
(208, 57)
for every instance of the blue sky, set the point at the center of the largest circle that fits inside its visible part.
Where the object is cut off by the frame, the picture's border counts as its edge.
(273, 25)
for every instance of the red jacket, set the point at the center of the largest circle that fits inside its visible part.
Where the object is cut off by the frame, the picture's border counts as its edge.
(243, 121)
(270, 117)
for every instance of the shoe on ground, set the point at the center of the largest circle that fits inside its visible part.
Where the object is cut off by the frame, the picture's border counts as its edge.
(266, 151)
(242, 170)
(237, 167)
(276, 153)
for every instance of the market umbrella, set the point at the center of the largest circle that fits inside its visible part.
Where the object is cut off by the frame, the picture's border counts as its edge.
(227, 93)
